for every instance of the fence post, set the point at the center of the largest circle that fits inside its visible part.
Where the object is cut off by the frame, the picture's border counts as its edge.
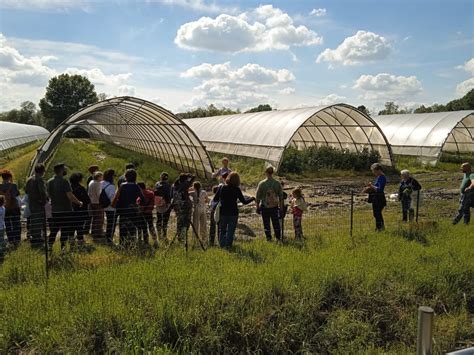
(352, 214)
(417, 205)
(424, 345)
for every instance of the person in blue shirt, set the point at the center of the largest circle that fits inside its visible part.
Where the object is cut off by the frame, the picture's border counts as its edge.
(377, 195)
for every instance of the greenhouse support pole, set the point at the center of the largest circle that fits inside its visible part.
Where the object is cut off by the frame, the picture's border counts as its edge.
(417, 205)
(424, 345)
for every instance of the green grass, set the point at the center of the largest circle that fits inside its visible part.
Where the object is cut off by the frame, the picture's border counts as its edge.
(18, 160)
(78, 154)
(331, 295)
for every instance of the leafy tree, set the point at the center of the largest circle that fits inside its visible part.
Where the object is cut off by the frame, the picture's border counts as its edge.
(392, 109)
(260, 108)
(65, 95)
(27, 114)
(208, 111)
(364, 109)
(464, 103)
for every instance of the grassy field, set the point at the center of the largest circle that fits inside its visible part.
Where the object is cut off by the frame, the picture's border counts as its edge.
(328, 294)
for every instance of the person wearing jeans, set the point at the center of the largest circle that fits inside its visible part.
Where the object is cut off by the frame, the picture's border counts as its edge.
(376, 192)
(269, 203)
(467, 193)
(163, 197)
(12, 208)
(229, 212)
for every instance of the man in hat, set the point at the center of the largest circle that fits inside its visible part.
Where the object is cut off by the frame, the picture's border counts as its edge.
(62, 198)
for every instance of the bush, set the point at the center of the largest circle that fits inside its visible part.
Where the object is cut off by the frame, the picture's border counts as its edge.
(317, 158)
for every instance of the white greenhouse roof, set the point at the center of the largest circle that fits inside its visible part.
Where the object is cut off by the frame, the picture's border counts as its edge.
(265, 135)
(426, 135)
(16, 134)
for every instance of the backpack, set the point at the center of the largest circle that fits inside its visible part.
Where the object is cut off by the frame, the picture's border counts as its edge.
(271, 199)
(11, 201)
(104, 200)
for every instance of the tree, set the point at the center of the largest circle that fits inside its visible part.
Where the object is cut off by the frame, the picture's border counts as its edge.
(364, 109)
(27, 114)
(464, 103)
(65, 95)
(260, 108)
(102, 96)
(208, 111)
(392, 109)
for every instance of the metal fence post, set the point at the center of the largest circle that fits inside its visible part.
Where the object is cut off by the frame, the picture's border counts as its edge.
(424, 345)
(417, 205)
(352, 214)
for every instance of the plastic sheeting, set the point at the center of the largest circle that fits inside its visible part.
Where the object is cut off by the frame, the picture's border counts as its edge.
(426, 135)
(16, 134)
(265, 135)
(140, 126)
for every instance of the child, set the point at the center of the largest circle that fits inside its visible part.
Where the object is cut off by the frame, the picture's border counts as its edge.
(200, 200)
(2, 228)
(407, 186)
(298, 206)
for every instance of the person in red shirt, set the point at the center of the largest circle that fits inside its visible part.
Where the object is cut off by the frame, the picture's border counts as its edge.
(146, 222)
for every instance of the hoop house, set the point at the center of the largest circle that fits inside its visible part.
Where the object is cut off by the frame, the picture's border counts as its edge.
(266, 135)
(16, 134)
(427, 135)
(140, 126)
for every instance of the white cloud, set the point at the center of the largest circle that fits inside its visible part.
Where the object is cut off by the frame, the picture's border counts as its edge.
(318, 12)
(241, 87)
(198, 5)
(363, 47)
(468, 66)
(464, 87)
(387, 86)
(264, 28)
(46, 5)
(126, 90)
(97, 76)
(330, 100)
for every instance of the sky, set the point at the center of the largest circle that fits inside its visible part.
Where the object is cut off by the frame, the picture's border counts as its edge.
(182, 54)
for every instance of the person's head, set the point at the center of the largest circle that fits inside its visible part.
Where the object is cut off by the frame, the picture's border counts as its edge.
(405, 174)
(164, 176)
(75, 178)
(60, 169)
(377, 169)
(297, 193)
(233, 179)
(197, 186)
(225, 162)
(269, 171)
(131, 175)
(39, 169)
(2, 201)
(466, 168)
(98, 175)
(130, 166)
(109, 175)
(7, 176)
(142, 186)
(92, 169)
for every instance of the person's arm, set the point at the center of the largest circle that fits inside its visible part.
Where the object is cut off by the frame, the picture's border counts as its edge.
(258, 196)
(141, 197)
(416, 185)
(73, 198)
(242, 198)
(42, 192)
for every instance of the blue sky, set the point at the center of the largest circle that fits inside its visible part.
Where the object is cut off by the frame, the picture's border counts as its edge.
(182, 54)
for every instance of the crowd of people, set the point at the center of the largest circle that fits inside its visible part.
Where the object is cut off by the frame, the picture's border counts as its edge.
(68, 208)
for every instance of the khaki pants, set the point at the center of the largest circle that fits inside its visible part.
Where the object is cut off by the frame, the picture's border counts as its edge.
(200, 222)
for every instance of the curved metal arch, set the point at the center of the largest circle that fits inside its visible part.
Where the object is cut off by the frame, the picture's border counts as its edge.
(140, 126)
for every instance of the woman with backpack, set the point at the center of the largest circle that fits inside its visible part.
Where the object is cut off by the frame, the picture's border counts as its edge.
(81, 214)
(106, 196)
(10, 192)
(163, 197)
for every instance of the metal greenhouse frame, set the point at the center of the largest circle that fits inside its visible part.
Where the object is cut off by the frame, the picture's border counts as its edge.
(15, 134)
(266, 135)
(140, 126)
(427, 135)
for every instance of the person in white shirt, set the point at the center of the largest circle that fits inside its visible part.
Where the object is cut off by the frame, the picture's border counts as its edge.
(96, 211)
(109, 187)
(200, 201)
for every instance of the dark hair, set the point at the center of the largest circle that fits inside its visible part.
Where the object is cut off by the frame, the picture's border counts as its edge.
(233, 179)
(164, 175)
(75, 178)
(130, 166)
(2, 201)
(197, 186)
(109, 175)
(39, 168)
(93, 168)
(6, 174)
(58, 168)
(297, 192)
(270, 170)
(142, 185)
(131, 175)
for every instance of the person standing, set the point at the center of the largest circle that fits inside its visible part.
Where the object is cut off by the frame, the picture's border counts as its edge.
(2, 228)
(108, 188)
(213, 226)
(467, 194)
(81, 213)
(10, 192)
(298, 207)
(376, 193)
(91, 169)
(223, 171)
(96, 211)
(408, 185)
(182, 204)
(35, 188)
(200, 201)
(163, 199)
(229, 211)
(269, 203)
(122, 178)
(146, 211)
(62, 198)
